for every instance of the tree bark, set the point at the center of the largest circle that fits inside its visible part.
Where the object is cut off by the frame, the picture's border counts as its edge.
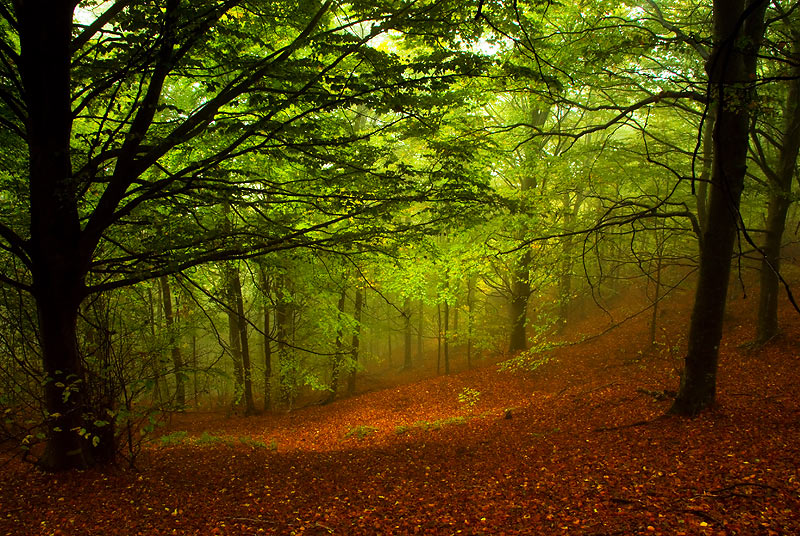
(247, 369)
(59, 272)
(738, 30)
(518, 307)
(234, 336)
(174, 345)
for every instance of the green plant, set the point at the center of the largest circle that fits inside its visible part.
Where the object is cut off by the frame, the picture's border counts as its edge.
(175, 438)
(361, 431)
(208, 439)
(439, 423)
(469, 397)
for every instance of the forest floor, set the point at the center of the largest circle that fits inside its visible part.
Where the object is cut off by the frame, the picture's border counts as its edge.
(586, 450)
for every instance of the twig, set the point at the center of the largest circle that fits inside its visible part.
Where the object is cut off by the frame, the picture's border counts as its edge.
(703, 515)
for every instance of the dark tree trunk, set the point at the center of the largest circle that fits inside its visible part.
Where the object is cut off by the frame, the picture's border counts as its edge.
(359, 305)
(779, 202)
(738, 30)
(59, 269)
(174, 345)
(518, 307)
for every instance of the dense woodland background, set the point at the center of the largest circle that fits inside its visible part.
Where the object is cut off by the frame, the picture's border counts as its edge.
(253, 206)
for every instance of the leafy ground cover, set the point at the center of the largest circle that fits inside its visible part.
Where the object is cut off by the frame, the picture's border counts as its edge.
(580, 446)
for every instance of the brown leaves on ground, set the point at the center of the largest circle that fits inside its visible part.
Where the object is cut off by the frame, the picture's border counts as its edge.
(586, 450)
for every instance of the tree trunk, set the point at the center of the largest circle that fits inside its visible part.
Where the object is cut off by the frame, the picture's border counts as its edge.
(518, 307)
(336, 361)
(59, 268)
(438, 338)
(247, 369)
(267, 341)
(738, 30)
(420, 326)
(234, 336)
(657, 296)
(174, 344)
(445, 335)
(407, 334)
(359, 305)
(154, 359)
(282, 320)
(705, 173)
(779, 202)
(471, 282)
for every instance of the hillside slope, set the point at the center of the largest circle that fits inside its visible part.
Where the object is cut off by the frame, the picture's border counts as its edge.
(580, 446)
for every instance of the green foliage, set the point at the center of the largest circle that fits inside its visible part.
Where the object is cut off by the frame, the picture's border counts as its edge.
(531, 359)
(207, 439)
(469, 397)
(431, 425)
(361, 431)
(173, 439)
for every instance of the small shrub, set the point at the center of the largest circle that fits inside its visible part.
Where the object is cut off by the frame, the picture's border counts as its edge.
(439, 423)
(469, 397)
(175, 438)
(208, 439)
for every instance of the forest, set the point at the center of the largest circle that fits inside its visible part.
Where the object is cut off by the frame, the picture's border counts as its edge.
(399, 267)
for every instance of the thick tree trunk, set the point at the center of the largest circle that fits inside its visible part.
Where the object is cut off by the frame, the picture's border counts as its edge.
(738, 29)
(518, 307)
(175, 350)
(779, 202)
(59, 270)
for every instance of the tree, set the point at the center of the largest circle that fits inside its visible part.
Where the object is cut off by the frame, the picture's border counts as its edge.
(738, 30)
(136, 118)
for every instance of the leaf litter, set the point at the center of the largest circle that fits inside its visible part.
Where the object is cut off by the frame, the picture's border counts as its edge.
(579, 446)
